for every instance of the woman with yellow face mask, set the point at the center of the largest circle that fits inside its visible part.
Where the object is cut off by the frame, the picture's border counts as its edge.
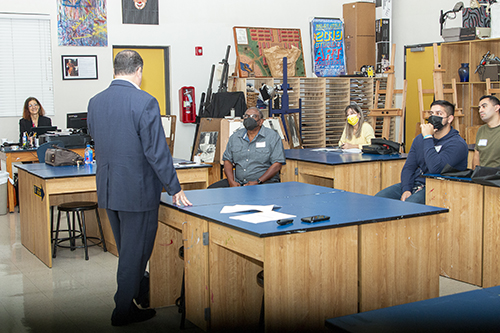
(356, 133)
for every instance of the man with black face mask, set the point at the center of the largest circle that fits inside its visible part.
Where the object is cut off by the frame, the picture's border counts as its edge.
(438, 145)
(256, 153)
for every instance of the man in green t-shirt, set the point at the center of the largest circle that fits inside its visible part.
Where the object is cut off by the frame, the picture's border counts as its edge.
(487, 152)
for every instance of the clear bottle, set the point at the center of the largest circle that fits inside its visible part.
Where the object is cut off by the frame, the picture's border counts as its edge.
(89, 155)
(25, 140)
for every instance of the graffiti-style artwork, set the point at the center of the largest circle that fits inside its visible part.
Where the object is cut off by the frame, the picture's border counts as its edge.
(82, 23)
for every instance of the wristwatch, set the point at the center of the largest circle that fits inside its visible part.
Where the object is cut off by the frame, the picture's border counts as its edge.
(259, 181)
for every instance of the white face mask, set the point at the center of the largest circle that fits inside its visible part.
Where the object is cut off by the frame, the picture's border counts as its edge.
(352, 119)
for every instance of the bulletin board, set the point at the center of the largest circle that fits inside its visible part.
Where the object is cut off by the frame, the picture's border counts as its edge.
(251, 43)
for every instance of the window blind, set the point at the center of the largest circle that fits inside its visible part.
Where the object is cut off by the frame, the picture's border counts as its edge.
(25, 63)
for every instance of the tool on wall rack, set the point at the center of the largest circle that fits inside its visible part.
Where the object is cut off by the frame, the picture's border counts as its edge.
(285, 107)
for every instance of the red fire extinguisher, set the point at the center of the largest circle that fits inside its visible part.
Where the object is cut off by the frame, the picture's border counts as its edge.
(188, 108)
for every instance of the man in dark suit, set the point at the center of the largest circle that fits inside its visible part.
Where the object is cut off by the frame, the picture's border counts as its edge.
(134, 163)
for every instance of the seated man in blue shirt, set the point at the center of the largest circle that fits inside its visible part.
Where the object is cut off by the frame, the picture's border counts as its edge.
(438, 145)
(256, 152)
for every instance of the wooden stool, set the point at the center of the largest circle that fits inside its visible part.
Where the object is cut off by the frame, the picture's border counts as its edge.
(78, 208)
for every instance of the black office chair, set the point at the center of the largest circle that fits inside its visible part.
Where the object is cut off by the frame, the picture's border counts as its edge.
(40, 152)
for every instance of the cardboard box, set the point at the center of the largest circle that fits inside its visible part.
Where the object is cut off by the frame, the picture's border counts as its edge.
(359, 18)
(359, 32)
(489, 71)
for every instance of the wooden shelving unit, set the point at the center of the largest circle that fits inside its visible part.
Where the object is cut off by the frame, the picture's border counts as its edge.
(471, 52)
(323, 103)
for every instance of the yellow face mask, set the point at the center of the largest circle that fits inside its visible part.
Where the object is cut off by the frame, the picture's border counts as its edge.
(352, 119)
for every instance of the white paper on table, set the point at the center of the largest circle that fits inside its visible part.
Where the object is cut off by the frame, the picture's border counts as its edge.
(246, 208)
(351, 150)
(327, 149)
(262, 217)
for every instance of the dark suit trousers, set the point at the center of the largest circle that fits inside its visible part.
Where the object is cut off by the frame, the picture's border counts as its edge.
(135, 234)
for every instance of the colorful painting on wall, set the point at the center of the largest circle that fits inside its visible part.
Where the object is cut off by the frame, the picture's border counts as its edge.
(327, 47)
(82, 23)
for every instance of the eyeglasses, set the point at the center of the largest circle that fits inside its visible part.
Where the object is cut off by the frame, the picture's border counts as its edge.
(254, 116)
(32, 105)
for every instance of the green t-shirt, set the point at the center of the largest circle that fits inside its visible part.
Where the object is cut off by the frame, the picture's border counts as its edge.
(488, 146)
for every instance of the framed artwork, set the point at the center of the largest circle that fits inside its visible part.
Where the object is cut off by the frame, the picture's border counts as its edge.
(79, 67)
(82, 23)
(255, 45)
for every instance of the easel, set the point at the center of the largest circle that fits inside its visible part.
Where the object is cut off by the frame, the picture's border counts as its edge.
(285, 104)
(388, 112)
(439, 91)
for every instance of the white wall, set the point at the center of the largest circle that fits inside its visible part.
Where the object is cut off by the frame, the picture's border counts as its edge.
(417, 22)
(209, 25)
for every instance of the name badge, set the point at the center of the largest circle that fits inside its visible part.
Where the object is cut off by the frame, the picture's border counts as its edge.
(260, 145)
(482, 142)
(438, 148)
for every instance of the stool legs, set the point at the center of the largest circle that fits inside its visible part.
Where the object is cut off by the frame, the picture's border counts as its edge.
(73, 233)
(84, 232)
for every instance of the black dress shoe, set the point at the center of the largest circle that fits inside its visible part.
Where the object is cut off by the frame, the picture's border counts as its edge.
(135, 316)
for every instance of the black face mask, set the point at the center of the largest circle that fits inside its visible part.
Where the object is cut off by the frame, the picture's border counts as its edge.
(249, 123)
(436, 121)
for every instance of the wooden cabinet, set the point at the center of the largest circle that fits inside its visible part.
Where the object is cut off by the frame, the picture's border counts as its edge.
(471, 52)
(359, 32)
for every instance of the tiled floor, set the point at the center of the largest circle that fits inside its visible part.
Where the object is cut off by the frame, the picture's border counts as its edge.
(77, 295)
(74, 296)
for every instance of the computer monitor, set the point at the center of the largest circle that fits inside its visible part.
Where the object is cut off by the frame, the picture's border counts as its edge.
(40, 130)
(77, 121)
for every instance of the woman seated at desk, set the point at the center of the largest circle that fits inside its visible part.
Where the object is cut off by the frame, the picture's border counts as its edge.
(356, 133)
(33, 116)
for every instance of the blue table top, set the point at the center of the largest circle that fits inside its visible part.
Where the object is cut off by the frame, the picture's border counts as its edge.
(473, 311)
(438, 176)
(46, 171)
(344, 208)
(337, 157)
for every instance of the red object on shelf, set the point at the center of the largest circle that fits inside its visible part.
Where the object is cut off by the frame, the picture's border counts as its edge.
(187, 105)
(198, 50)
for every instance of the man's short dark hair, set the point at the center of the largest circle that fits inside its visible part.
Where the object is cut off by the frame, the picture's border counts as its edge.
(450, 108)
(493, 99)
(127, 62)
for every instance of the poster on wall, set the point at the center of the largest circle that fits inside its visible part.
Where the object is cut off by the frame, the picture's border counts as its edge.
(327, 47)
(140, 11)
(82, 23)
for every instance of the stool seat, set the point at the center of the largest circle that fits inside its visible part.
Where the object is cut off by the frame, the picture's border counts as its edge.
(77, 206)
(78, 209)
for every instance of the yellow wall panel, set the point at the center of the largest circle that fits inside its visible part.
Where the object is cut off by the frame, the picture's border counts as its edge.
(419, 65)
(153, 74)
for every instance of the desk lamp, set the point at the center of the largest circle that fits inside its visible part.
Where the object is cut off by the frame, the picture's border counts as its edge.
(442, 18)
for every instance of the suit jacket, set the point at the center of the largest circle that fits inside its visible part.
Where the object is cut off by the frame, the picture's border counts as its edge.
(25, 125)
(133, 159)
